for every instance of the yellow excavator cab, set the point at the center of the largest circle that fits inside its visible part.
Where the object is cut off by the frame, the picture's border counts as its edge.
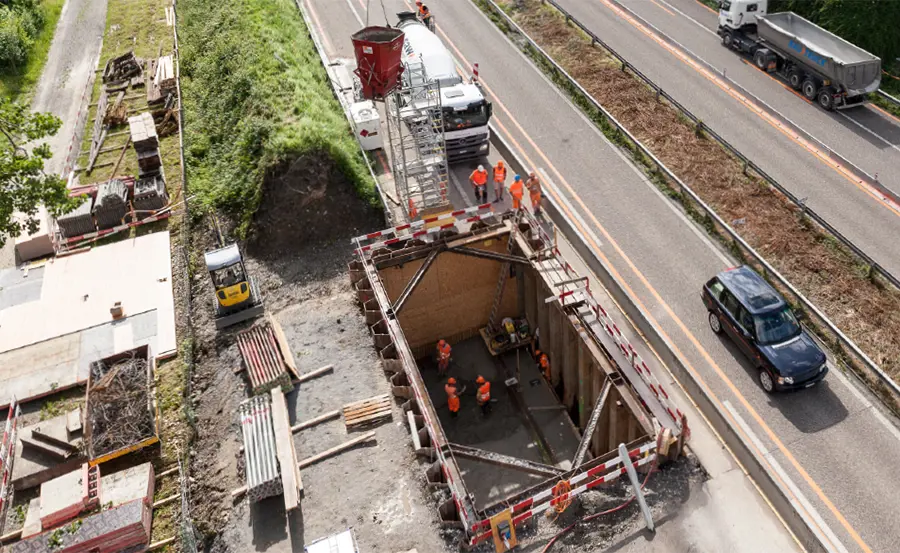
(236, 296)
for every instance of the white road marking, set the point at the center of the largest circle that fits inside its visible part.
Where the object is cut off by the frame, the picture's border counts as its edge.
(868, 130)
(355, 13)
(798, 495)
(460, 189)
(701, 25)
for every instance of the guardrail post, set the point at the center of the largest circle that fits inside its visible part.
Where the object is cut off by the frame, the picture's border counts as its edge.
(658, 90)
(624, 65)
(745, 169)
(699, 129)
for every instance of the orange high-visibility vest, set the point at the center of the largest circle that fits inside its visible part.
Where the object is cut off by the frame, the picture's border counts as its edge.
(479, 177)
(516, 190)
(499, 173)
(452, 398)
(445, 352)
(545, 365)
(484, 393)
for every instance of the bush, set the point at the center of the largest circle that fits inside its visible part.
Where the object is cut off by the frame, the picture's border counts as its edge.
(20, 23)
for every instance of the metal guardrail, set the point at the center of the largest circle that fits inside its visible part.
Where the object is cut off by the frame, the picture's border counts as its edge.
(748, 163)
(888, 97)
(685, 190)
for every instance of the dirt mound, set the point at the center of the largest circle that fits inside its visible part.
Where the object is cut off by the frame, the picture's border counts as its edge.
(305, 202)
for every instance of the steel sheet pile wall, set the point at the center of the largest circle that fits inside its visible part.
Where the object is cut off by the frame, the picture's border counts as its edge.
(260, 453)
(263, 359)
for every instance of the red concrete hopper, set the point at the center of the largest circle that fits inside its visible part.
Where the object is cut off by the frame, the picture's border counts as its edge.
(378, 52)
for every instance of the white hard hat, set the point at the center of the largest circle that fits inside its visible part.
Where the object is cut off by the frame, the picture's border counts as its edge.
(481, 167)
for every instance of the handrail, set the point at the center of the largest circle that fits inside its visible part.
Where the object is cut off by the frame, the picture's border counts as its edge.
(769, 270)
(888, 97)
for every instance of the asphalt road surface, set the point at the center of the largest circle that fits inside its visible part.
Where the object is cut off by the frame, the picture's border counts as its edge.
(867, 137)
(829, 442)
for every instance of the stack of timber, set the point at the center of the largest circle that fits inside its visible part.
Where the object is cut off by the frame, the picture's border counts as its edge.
(108, 531)
(149, 196)
(111, 204)
(264, 359)
(121, 415)
(367, 412)
(287, 453)
(165, 75)
(121, 69)
(260, 451)
(79, 221)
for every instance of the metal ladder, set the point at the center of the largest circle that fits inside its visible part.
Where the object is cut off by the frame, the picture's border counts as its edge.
(504, 274)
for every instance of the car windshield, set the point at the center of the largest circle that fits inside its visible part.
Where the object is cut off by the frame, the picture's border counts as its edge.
(473, 116)
(776, 327)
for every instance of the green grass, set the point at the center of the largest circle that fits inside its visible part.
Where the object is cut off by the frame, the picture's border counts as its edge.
(18, 84)
(256, 96)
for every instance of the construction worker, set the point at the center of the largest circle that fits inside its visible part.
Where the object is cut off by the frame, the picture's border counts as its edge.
(484, 395)
(516, 191)
(427, 19)
(533, 184)
(452, 396)
(479, 178)
(419, 9)
(544, 363)
(443, 356)
(499, 181)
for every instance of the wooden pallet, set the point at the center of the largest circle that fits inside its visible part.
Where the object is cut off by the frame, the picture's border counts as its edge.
(367, 411)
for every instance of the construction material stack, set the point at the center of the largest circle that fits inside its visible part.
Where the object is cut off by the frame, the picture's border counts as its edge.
(263, 358)
(260, 451)
(149, 196)
(79, 221)
(146, 143)
(111, 204)
(66, 497)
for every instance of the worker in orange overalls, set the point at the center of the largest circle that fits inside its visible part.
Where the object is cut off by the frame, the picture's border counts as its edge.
(452, 396)
(499, 181)
(484, 395)
(443, 356)
(544, 363)
(516, 190)
(534, 189)
(427, 19)
(479, 178)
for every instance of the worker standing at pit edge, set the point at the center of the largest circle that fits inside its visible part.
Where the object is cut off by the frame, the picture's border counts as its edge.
(443, 356)
(479, 178)
(516, 191)
(499, 181)
(534, 189)
(544, 364)
(427, 19)
(484, 395)
(452, 396)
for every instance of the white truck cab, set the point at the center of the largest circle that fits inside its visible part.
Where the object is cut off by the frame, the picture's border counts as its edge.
(741, 14)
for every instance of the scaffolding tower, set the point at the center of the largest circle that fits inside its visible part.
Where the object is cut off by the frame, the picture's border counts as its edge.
(415, 123)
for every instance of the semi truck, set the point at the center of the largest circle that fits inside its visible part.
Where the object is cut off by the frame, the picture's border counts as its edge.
(825, 68)
(466, 112)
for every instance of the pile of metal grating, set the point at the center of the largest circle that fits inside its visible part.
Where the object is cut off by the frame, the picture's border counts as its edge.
(260, 451)
(149, 196)
(264, 359)
(111, 204)
(78, 222)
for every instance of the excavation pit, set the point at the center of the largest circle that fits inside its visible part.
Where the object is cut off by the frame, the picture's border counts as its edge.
(457, 278)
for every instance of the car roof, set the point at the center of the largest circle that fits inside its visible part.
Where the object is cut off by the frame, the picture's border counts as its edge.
(751, 290)
(223, 257)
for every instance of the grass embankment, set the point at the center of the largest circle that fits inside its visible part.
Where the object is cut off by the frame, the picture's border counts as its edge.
(18, 83)
(814, 262)
(256, 99)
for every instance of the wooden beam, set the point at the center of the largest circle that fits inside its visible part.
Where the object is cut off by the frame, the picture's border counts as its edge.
(337, 449)
(411, 417)
(505, 461)
(496, 256)
(318, 420)
(160, 544)
(318, 372)
(414, 281)
(284, 448)
(165, 501)
(167, 472)
(591, 427)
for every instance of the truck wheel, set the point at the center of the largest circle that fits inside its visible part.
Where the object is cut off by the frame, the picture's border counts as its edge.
(760, 59)
(795, 79)
(726, 39)
(810, 89)
(826, 100)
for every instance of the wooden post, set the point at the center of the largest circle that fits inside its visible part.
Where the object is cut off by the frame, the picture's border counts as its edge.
(612, 442)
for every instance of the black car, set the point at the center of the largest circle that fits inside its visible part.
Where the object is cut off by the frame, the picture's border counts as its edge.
(761, 323)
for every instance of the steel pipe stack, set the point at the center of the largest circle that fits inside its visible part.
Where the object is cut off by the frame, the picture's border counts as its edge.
(111, 205)
(260, 453)
(80, 221)
(263, 359)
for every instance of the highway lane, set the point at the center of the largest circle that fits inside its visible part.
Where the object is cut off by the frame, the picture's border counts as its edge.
(852, 208)
(814, 436)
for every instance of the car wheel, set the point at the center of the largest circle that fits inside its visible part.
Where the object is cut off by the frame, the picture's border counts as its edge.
(714, 323)
(810, 90)
(765, 380)
(795, 79)
(726, 39)
(826, 100)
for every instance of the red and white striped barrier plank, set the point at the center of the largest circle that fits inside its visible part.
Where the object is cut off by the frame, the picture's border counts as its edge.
(102, 233)
(459, 213)
(423, 232)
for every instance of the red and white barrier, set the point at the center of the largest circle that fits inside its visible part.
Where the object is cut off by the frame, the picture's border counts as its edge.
(408, 228)
(8, 450)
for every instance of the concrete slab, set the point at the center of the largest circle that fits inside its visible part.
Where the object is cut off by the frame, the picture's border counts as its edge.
(77, 292)
(32, 526)
(127, 485)
(36, 244)
(62, 498)
(31, 468)
(62, 362)
(18, 286)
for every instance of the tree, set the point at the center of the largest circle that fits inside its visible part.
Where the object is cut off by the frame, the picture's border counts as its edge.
(24, 186)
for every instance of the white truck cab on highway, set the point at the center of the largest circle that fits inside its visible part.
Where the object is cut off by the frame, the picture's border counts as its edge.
(466, 112)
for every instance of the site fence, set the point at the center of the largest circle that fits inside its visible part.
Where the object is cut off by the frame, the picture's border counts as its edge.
(692, 201)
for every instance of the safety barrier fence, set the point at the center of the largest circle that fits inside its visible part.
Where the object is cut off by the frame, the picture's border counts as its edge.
(7, 456)
(836, 338)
